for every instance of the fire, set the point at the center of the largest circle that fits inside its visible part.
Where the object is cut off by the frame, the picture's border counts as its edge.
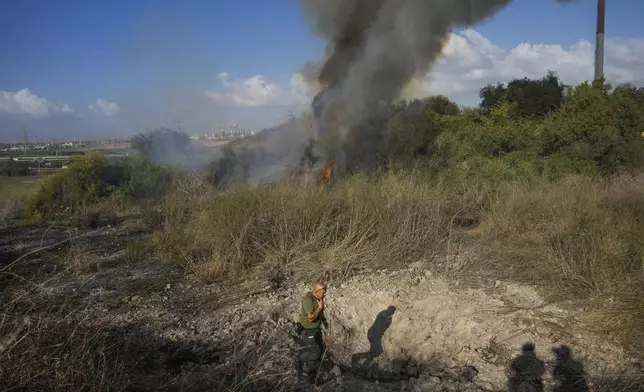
(327, 175)
(327, 172)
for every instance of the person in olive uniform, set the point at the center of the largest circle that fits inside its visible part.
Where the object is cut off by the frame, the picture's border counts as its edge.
(311, 319)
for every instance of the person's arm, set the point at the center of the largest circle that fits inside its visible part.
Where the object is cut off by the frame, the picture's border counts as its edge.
(309, 306)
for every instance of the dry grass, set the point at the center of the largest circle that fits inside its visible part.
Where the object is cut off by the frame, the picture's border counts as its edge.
(620, 318)
(79, 258)
(618, 383)
(579, 238)
(9, 211)
(89, 217)
(586, 234)
(55, 351)
(17, 187)
(138, 250)
(363, 222)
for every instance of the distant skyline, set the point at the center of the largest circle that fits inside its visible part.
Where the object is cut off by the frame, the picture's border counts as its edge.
(76, 69)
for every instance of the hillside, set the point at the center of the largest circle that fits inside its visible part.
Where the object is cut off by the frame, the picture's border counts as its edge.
(471, 234)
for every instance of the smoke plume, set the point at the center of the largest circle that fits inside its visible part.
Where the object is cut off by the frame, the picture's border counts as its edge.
(375, 48)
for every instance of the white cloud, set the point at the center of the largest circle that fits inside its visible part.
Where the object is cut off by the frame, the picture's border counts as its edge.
(470, 61)
(252, 92)
(26, 103)
(105, 108)
(66, 109)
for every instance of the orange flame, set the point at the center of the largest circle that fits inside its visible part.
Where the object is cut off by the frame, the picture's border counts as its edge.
(327, 175)
(327, 172)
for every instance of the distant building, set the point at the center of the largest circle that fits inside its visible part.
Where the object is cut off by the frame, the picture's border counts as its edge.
(232, 132)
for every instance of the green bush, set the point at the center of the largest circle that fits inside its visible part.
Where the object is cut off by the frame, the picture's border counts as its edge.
(85, 181)
(596, 130)
(14, 168)
(414, 126)
(91, 178)
(140, 179)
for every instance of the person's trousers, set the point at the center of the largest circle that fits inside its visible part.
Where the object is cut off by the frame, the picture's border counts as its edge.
(311, 350)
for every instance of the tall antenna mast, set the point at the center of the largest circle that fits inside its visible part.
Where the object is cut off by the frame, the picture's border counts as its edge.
(599, 47)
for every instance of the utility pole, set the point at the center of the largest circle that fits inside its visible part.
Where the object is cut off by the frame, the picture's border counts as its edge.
(179, 126)
(599, 46)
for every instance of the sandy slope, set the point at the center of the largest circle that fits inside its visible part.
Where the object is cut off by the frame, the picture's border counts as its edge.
(435, 320)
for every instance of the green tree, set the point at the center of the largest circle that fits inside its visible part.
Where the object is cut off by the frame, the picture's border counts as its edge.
(442, 105)
(531, 97)
(14, 168)
(412, 130)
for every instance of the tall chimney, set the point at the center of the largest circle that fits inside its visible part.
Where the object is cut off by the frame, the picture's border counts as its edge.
(599, 46)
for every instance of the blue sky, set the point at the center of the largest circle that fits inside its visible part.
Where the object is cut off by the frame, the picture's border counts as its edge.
(154, 59)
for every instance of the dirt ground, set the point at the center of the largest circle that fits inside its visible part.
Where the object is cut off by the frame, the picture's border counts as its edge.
(390, 330)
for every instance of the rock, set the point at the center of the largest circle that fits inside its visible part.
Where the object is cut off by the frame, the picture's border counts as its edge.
(497, 284)
(468, 372)
(485, 385)
(135, 298)
(167, 286)
(336, 371)
(428, 273)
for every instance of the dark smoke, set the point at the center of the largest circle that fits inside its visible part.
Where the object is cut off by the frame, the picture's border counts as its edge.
(374, 48)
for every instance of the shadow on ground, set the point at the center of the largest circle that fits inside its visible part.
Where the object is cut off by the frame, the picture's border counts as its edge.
(526, 372)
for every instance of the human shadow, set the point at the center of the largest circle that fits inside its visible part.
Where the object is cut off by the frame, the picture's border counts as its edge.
(374, 335)
(568, 373)
(526, 371)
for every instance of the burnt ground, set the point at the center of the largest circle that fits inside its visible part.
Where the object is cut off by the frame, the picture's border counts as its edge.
(160, 330)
